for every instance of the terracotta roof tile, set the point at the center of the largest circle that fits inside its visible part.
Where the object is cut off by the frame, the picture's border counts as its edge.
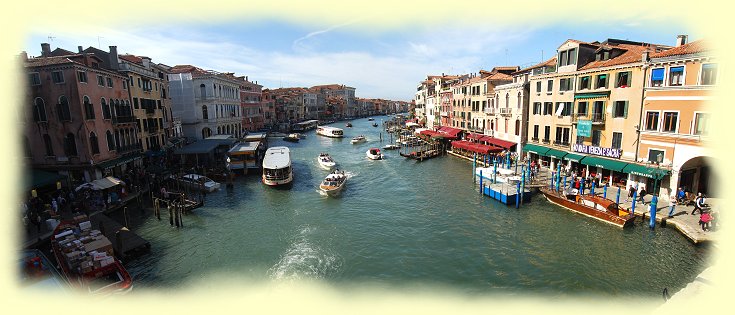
(131, 58)
(48, 61)
(631, 54)
(690, 48)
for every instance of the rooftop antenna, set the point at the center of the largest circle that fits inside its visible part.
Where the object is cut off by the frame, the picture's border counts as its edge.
(50, 38)
(542, 55)
(98, 41)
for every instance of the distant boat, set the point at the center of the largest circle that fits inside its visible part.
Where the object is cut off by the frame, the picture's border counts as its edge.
(371, 119)
(294, 137)
(328, 131)
(348, 125)
(333, 183)
(595, 207)
(358, 139)
(374, 154)
(326, 161)
(391, 147)
(200, 182)
(375, 124)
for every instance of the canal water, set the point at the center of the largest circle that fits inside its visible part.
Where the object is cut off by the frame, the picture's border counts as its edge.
(400, 222)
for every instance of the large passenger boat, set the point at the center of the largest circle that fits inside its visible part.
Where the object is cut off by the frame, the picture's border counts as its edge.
(332, 132)
(85, 258)
(277, 167)
(595, 207)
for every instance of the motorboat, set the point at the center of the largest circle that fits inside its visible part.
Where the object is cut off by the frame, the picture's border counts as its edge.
(332, 132)
(293, 137)
(38, 272)
(374, 154)
(195, 181)
(348, 125)
(358, 139)
(326, 161)
(333, 183)
(391, 147)
(371, 119)
(86, 258)
(595, 207)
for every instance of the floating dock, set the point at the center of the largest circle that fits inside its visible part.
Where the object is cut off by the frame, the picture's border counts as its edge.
(504, 193)
(125, 243)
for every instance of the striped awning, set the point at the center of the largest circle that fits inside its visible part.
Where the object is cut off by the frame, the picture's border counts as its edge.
(535, 149)
(574, 157)
(591, 95)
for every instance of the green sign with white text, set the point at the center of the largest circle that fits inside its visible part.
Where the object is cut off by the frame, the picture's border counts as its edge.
(584, 128)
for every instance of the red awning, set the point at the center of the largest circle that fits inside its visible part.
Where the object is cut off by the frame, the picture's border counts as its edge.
(499, 143)
(485, 138)
(474, 147)
(451, 132)
(473, 136)
(486, 149)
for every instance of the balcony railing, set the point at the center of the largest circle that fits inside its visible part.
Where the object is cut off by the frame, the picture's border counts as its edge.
(545, 141)
(596, 118)
(534, 140)
(129, 148)
(561, 143)
(490, 110)
(123, 119)
(506, 111)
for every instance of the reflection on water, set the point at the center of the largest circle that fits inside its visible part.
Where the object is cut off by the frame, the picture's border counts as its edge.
(398, 222)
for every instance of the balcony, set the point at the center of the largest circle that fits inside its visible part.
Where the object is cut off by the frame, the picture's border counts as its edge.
(444, 114)
(564, 144)
(546, 141)
(596, 118)
(534, 140)
(129, 148)
(506, 111)
(123, 120)
(489, 110)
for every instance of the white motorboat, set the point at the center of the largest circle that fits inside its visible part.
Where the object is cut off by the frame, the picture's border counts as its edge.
(374, 154)
(333, 183)
(326, 161)
(391, 147)
(195, 181)
(358, 139)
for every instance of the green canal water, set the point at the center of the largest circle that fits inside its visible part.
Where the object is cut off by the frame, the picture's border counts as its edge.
(401, 222)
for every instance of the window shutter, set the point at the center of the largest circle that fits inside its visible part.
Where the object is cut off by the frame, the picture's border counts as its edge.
(625, 110)
(607, 81)
(627, 83)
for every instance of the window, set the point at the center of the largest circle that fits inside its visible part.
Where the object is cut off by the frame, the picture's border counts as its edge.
(70, 145)
(623, 80)
(547, 133)
(548, 108)
(110, 141)
(598, 111)
(538, 86)
(620, 109)
(205, 115)
(601, 81)
(655, 156)
(573, 56)
(584, 83)
(582, 109)
(105, 109)
(94, 143)
(57, 76)
(47, 144)
(100, 80)
(563, 109)
(563, 61)
(39, 110)
(203, 91)
(617, 140)
(135, 102)
(549, 85)
(701, 122)
(580, 139)
(562, 136)
(109, 82)
(82, 76)
(537, 108)
(676, 76)
(518, 127)
(88, 108)
(35, 78)
(596, 136)
(709, 74)
(519, 100)
(652, 121)
(657, 77)
(535, 132)
(671, 120)
(565, 84)
(62, 109)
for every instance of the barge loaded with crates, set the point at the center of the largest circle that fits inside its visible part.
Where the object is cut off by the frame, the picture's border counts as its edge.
(86, 258)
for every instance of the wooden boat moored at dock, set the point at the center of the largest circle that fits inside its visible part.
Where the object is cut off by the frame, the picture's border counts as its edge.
(596, 207)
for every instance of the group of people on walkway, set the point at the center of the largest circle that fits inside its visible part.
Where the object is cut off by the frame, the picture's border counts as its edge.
(706, 216)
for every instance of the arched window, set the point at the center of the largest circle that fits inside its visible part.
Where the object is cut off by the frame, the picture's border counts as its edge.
(94, 143)
(219, 130)
(206, 132)
(47, 144)
(520, 100)
(88, 108)
(105, 109)
(70, 145)
(62, 109)
(117, 138)
(203, 90)
(110, 141)
(507, 100)
(128, 109)
(204, 112)
(497, 100)
(118, 111)
(518, 127)
(39, 110)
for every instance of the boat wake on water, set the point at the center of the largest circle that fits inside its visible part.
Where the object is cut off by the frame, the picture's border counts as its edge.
(305, 260)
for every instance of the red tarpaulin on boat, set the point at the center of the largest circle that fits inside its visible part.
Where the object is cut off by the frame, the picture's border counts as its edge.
(499, 143)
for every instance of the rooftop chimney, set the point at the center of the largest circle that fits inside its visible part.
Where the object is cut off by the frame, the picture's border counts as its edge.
(79, 48)
(45, 49)
(644, 56)
(113, 58)
(24, 56)
(246, 78)
(146, 62)
(681, 40)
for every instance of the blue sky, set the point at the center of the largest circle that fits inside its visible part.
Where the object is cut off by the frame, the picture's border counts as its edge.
(379, 63)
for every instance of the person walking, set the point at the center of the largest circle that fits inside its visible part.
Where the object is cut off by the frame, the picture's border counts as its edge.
(642, 193)
(673, 205)
(698, 204)
(631, 192)
(704, 219)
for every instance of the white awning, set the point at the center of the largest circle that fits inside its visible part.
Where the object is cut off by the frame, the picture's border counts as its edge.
(107, 182)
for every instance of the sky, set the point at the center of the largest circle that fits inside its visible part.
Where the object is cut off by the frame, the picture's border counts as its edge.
(379, 63)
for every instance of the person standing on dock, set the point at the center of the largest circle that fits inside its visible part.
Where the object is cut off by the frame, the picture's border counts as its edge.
(698, 203)
(673, 205)
(631, 192)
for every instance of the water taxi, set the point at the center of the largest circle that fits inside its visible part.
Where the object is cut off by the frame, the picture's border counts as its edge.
(595, 207)
(326, 161)
(374, 154)
(331, 132)
(391, 147)
(333, 183)
(358, 139)
(348, 125)
(277, 167)
(293, 137)
(195, 181)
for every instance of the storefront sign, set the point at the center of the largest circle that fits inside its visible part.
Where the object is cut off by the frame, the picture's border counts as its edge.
(584, 128)
(590, 149)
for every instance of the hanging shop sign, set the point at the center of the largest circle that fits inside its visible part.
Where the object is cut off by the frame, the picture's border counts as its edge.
(584, 128)
(590, 149)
